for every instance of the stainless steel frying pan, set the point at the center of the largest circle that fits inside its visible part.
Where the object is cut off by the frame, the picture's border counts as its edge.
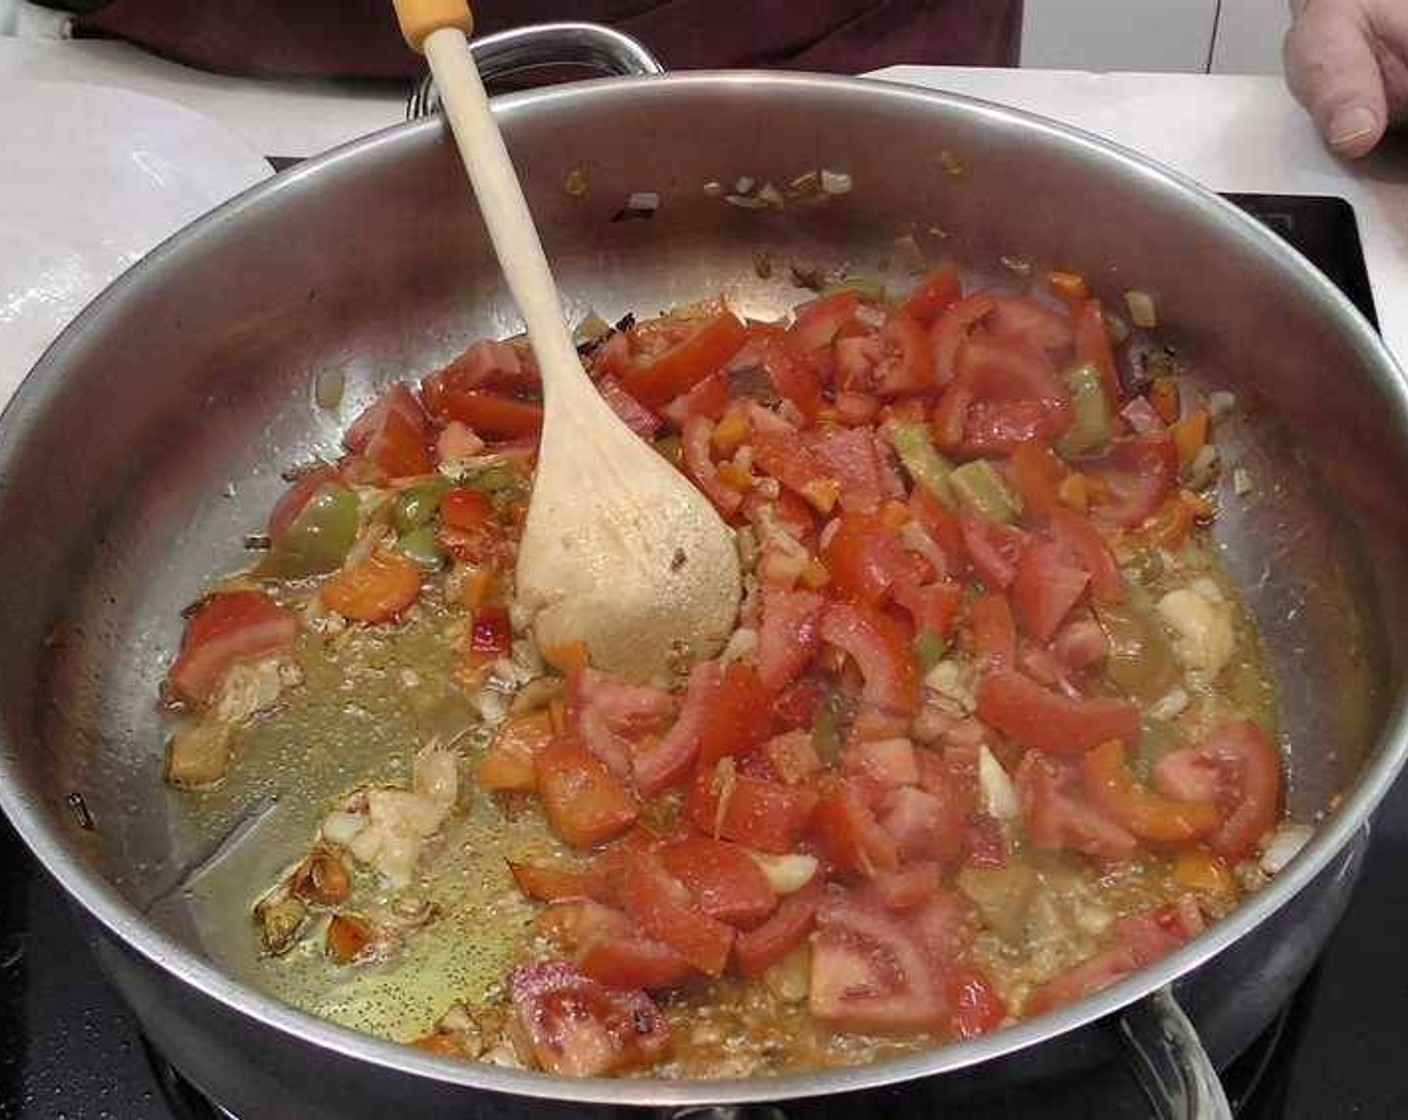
(150, 437)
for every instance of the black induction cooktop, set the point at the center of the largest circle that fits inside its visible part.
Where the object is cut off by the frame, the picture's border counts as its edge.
(70, 1051)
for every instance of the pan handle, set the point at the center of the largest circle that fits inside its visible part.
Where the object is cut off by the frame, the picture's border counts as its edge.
(1169, 1061)
(546, 44)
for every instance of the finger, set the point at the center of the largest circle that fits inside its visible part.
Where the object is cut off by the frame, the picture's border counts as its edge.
(1332, 69)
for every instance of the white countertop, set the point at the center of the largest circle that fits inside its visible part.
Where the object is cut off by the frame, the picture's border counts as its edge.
(1230, 132)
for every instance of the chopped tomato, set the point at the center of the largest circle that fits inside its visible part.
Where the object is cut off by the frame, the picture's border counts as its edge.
(864, 558)
(789, 635)
(923, 823)
(907, 888)
(1057, 816)
(1037, 717)
(631, 961)
(286, 512)
(508, 767)
(1239, 766)
(636, 416)
(941, 524)
(1110, 785)
(1093, 346)
(1138, 473)
(558, 880)
(1036, 474)
(758, 949)
(1030, 323)
(1045, 590)
(786, 458)
(793, 757)
(709, 398)
(762, 814)
(848, 834)
(891, 761)
(624, 705)
(585, 803)
(975, 1008)
(1080, 644)
(906, 357)
(1086, 978)
(1084, 544)
(933, 607)
(491, 415)
(994, 632)
(677, 369)
(394, 433)
(375, 590)
(664, 909)
(936, 293)
(1012, 394)
(486, 364)
(463, 507)
(869, 975)
(578, 1027)
(879, 646)
(699, 464)
(229, 628)
(792, 376)
(949, 334)
(849, 456)
(992, 549)
(819, 321)
(726, 882)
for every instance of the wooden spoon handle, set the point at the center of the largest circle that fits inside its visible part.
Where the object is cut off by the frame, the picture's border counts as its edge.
(440, 26)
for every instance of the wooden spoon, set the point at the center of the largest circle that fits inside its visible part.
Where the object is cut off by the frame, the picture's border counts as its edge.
(619, 550)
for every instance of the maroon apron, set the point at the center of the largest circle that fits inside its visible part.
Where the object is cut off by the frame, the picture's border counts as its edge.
(359, 39)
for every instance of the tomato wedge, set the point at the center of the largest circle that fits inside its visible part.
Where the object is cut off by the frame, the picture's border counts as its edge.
(1138, 473)
(1240, 766)
(949, 334)
(935, 294)
(508, 766)
(819, 321)
(994, 632)
(848, 834)
(492, 415)
(869, 975)
(580, 1028)
(1037, 717)
(1046, 588)
(701, 352)
(229, 628)
(1110, 785)
(880, 647)
(632, 961)
(1036, 474)
(375, 590)
(792, 376)
(1083, 543)
(1057, 816)
(925, 824)
(664, 909)
(763, 814)
(393, 433)
(585, 803)
(789, 636)
(864, 558)
(849, 456)
(558, 880)
(906, 357)
(726, 881)
(974, 1006)
(758, 949)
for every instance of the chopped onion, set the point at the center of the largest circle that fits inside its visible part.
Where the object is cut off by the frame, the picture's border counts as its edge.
(786, 874)
(952, 163)
(741, 644)
(1017, 265)
(1142, 312)
(575, 183)
(341, 828)
(1170, 705)
(328, 387)
(835, 182)
(1241, 483)
(999, 795)
(745, 201)
(771, 195)
(713, 188)
(744, 185)
(1118, 328)
(1203, 468)
(1285, 844)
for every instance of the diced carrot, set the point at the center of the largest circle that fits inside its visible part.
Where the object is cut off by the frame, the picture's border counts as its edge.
(1070, 287)
(1163, 395)
(1190, 436)
(814, 575)
(557, 713)
(508, 766)
(731, 474)
(567, 656)
(475, 583)
(730, 432)
(894, 514)
(1074, 491)
(375, 590)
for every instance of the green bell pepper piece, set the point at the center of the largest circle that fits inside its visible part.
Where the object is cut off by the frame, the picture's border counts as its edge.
(1090, 412)
(419, 545)
(417, 505)
(980, 489)
(319, 538)
(925, 465)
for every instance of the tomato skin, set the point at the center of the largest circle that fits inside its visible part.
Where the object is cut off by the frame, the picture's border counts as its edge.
(792, 376)
(869, 975)
(948, 335)
(994, 632)
(725, 881)
(933, 607)
(492, 415)
(1057, 816)
(689, 361)
(757, 949)
(975, 1008)
(906, 358)
(1045, 590)
(789, 636)
(393, 433)
(1083, 542)
(580, 1028)
(848, 834)
(662, 906)
(376, 590)
(1239, 765)
(463, 507)
(486, 364)
(585, 803)
(1037, 717)
(1036, 473)
(864, 558)
(849, 456)
(229, 628)
(763, 814)
(935, 294)
(881, 648)
(819, 321)
(1110, 786)
(1092, 342)
(992, 549)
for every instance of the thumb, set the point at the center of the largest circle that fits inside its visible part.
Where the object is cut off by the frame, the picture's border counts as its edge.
(1333, 71)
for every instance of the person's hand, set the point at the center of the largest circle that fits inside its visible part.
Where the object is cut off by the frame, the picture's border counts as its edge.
(1347, 63)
